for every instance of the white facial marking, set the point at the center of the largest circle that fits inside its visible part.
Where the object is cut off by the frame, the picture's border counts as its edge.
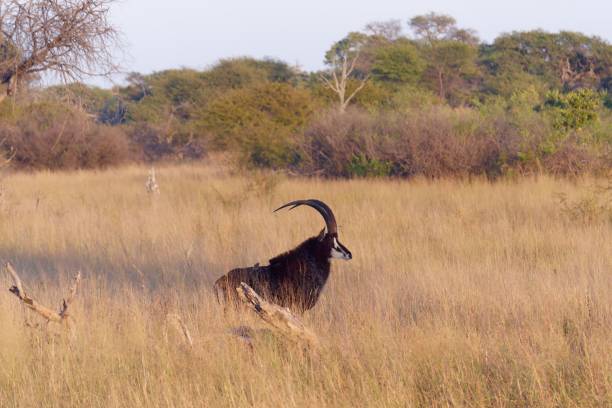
(337, 252)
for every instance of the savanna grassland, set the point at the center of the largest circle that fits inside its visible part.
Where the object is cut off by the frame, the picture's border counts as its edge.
(459, 293)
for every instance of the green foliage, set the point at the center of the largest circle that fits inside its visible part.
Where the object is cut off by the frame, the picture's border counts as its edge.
(410, 97)
(179, 87)
(525, 100)
(362, 166)
(348, 47)
(91, 99)
(573, 110)
(433, 26)
(563, 61)
(451, 70)
(399, 62)
(165, 95)
(45, 113)
(258, 121)
(450, 53)
(162, 109)
(262, 106)
(173, 101)
(522, 111)
(236, 73)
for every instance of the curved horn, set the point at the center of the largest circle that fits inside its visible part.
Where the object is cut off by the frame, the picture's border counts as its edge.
(321, 207)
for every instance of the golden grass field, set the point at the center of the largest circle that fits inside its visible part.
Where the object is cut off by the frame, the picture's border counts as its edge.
(459, 293)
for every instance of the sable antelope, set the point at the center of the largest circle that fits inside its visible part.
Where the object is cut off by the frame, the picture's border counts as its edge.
(296, 278)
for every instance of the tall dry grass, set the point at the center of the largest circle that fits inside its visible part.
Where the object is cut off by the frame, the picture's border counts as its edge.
(459, 294)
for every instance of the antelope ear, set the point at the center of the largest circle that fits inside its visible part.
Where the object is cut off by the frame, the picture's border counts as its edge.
(322, 234)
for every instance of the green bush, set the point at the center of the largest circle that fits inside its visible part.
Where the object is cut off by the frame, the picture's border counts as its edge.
(362, 166)
(398, 62)
(165, 96)
(573, 110)
(259, 122)
(410, 97)
(235, 73)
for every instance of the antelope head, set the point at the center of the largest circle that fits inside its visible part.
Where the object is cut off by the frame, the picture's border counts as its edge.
(329, 235)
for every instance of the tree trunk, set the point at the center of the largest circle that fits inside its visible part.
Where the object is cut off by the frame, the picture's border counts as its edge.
(441, 84)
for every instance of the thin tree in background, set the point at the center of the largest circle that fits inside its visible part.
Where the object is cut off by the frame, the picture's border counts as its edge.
(71, 38)
(342, 59)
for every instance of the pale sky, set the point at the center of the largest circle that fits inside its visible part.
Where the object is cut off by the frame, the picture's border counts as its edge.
(161, 34)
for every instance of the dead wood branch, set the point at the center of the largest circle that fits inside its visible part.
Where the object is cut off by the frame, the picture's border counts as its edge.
(340, 73)
(71, 295)
(278, 317)
(72, 38)
(50, 315)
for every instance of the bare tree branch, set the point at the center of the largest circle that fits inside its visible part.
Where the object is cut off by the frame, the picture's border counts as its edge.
(359, 88)
(45, 312)
(343, 69)
(278, 317)
(16, 279)
(73, 38)
(71, 295)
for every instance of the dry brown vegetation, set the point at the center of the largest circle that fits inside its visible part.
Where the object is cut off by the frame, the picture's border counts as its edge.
(459, 294)
(48, 136)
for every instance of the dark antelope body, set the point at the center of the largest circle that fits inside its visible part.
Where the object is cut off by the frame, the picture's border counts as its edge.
(296, 278)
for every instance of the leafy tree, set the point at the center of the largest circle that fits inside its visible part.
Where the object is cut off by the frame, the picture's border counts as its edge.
(342, 59)
(177, 93)
(450, 53)
(161, 109)
(236, 73)
(564, 60)
(398, 62)
(259, 121)
(138, 87)
(574, 110)
(412, 97)
(108, 107)
(433, 27)
(453, 69)
(347, 48)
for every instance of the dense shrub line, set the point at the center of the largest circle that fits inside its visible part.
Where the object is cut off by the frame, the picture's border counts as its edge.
(53, 136)
(432, 141)
(438, 142)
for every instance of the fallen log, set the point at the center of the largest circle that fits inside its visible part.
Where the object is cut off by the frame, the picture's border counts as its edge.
(280, 318)
(62, 317)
